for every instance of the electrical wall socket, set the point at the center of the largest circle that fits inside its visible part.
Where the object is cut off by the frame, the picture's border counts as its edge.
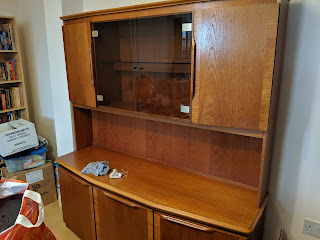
(311, 227)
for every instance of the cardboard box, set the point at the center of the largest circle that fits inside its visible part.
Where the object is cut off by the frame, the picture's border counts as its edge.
(17, 136)
(41, 180)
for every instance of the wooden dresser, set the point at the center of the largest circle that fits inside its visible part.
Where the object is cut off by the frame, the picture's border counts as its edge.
(182, 95)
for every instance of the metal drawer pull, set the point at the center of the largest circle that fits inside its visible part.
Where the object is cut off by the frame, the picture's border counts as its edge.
(121, 200)
(140, 68)
(133, 68)
(188, 224)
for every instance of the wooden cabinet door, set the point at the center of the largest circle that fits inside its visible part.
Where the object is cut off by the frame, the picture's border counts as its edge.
(77, 204)
(235, 50)
(77, 47)
(118, 218)
(172, 228)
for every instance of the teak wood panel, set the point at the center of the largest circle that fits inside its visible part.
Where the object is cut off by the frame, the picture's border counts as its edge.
(168, 227)
(266, 163)
(234, 65)
(77, 47)
(77, 204)
(82, 123)
(228, 156)
(171, 190)
(118, 218)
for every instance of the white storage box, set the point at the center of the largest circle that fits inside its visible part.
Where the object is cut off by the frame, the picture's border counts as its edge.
(17, 136)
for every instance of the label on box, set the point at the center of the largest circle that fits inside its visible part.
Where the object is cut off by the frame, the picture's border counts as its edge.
(35, 176)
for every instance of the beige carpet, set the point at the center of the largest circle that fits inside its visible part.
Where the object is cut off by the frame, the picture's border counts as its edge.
(53, 220)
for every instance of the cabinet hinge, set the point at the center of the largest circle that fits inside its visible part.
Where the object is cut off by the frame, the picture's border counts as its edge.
(95, 33)
(100, 98)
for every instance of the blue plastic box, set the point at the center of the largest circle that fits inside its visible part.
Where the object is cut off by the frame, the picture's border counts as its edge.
(29, 159)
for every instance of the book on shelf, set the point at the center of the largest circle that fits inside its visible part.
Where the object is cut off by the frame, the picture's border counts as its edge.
(7, 38)
(11, 98)
(9, 70)
(10, 116)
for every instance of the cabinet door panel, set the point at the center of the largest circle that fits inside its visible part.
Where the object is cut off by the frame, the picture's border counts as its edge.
(77, 204)
(118, 218)
(234, 65)
(77, 47)
(171, 228)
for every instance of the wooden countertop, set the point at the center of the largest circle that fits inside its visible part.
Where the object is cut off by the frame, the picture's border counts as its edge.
(171, 190)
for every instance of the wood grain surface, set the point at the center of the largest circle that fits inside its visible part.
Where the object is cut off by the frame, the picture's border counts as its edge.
(154, 5)
(82, 123)
(77, 47)
(236, 158)
(171, 228)
(118, 218)
(171, 190)
(77, 201)
(234, 65)
(266, 158)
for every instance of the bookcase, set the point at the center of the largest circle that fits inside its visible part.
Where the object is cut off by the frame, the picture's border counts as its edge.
(13, 101)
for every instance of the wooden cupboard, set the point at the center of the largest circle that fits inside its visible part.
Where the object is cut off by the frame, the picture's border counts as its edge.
(182, 94)
(172, 228)
(77, 205)
(118, 218)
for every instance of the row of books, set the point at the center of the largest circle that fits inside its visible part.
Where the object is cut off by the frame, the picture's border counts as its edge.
(11, 98)
(7, 39)
(10, 116)
(9, 70)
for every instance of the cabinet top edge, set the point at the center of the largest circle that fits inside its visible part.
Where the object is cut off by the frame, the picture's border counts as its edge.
(130, 8)
(145, 6)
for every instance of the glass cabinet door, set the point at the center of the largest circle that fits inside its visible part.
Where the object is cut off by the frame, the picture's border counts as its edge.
(163, 47)
(116, 73)
(144, 64)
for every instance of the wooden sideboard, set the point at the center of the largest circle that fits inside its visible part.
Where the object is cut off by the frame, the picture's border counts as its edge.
(183, 95)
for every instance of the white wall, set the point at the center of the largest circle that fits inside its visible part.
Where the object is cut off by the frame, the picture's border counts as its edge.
(92, 5)
(33, 42)
(295, 179)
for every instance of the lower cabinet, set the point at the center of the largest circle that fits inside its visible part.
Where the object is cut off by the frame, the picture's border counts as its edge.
(93, 213)
(77, 204)
(118, 218)
(167, 227)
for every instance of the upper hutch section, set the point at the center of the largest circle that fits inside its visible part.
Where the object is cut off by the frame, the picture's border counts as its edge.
(206, 63)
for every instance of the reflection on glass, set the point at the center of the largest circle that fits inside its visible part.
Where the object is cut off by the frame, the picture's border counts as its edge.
(145, 64)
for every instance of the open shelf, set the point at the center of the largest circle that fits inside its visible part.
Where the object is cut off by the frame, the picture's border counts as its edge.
(8, 82)
(12, 109)
(9, 51)
(153, 67)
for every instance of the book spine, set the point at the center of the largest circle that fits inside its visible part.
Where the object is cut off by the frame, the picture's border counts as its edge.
(6, 29)
(3, 100)
(8, 71)
(17, 96)
(12, 70)
(4, 41)
(13, 42)
(21, 97)
(15, 68)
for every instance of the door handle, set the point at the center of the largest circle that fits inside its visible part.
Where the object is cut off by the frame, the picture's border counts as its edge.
(187, 224)
(121, 200)
(193, 82)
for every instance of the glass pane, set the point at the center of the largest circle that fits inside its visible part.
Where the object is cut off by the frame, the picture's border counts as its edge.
(163, 46)
(114, 59)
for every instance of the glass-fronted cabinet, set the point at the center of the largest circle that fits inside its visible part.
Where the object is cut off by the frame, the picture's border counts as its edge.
(144, 65)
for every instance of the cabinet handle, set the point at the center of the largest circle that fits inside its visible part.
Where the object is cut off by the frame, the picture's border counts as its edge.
(78, 181)
(188, 224)
(133, 68)
(91, 66)
(193, 53)
(121, 200)
(140, 68)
